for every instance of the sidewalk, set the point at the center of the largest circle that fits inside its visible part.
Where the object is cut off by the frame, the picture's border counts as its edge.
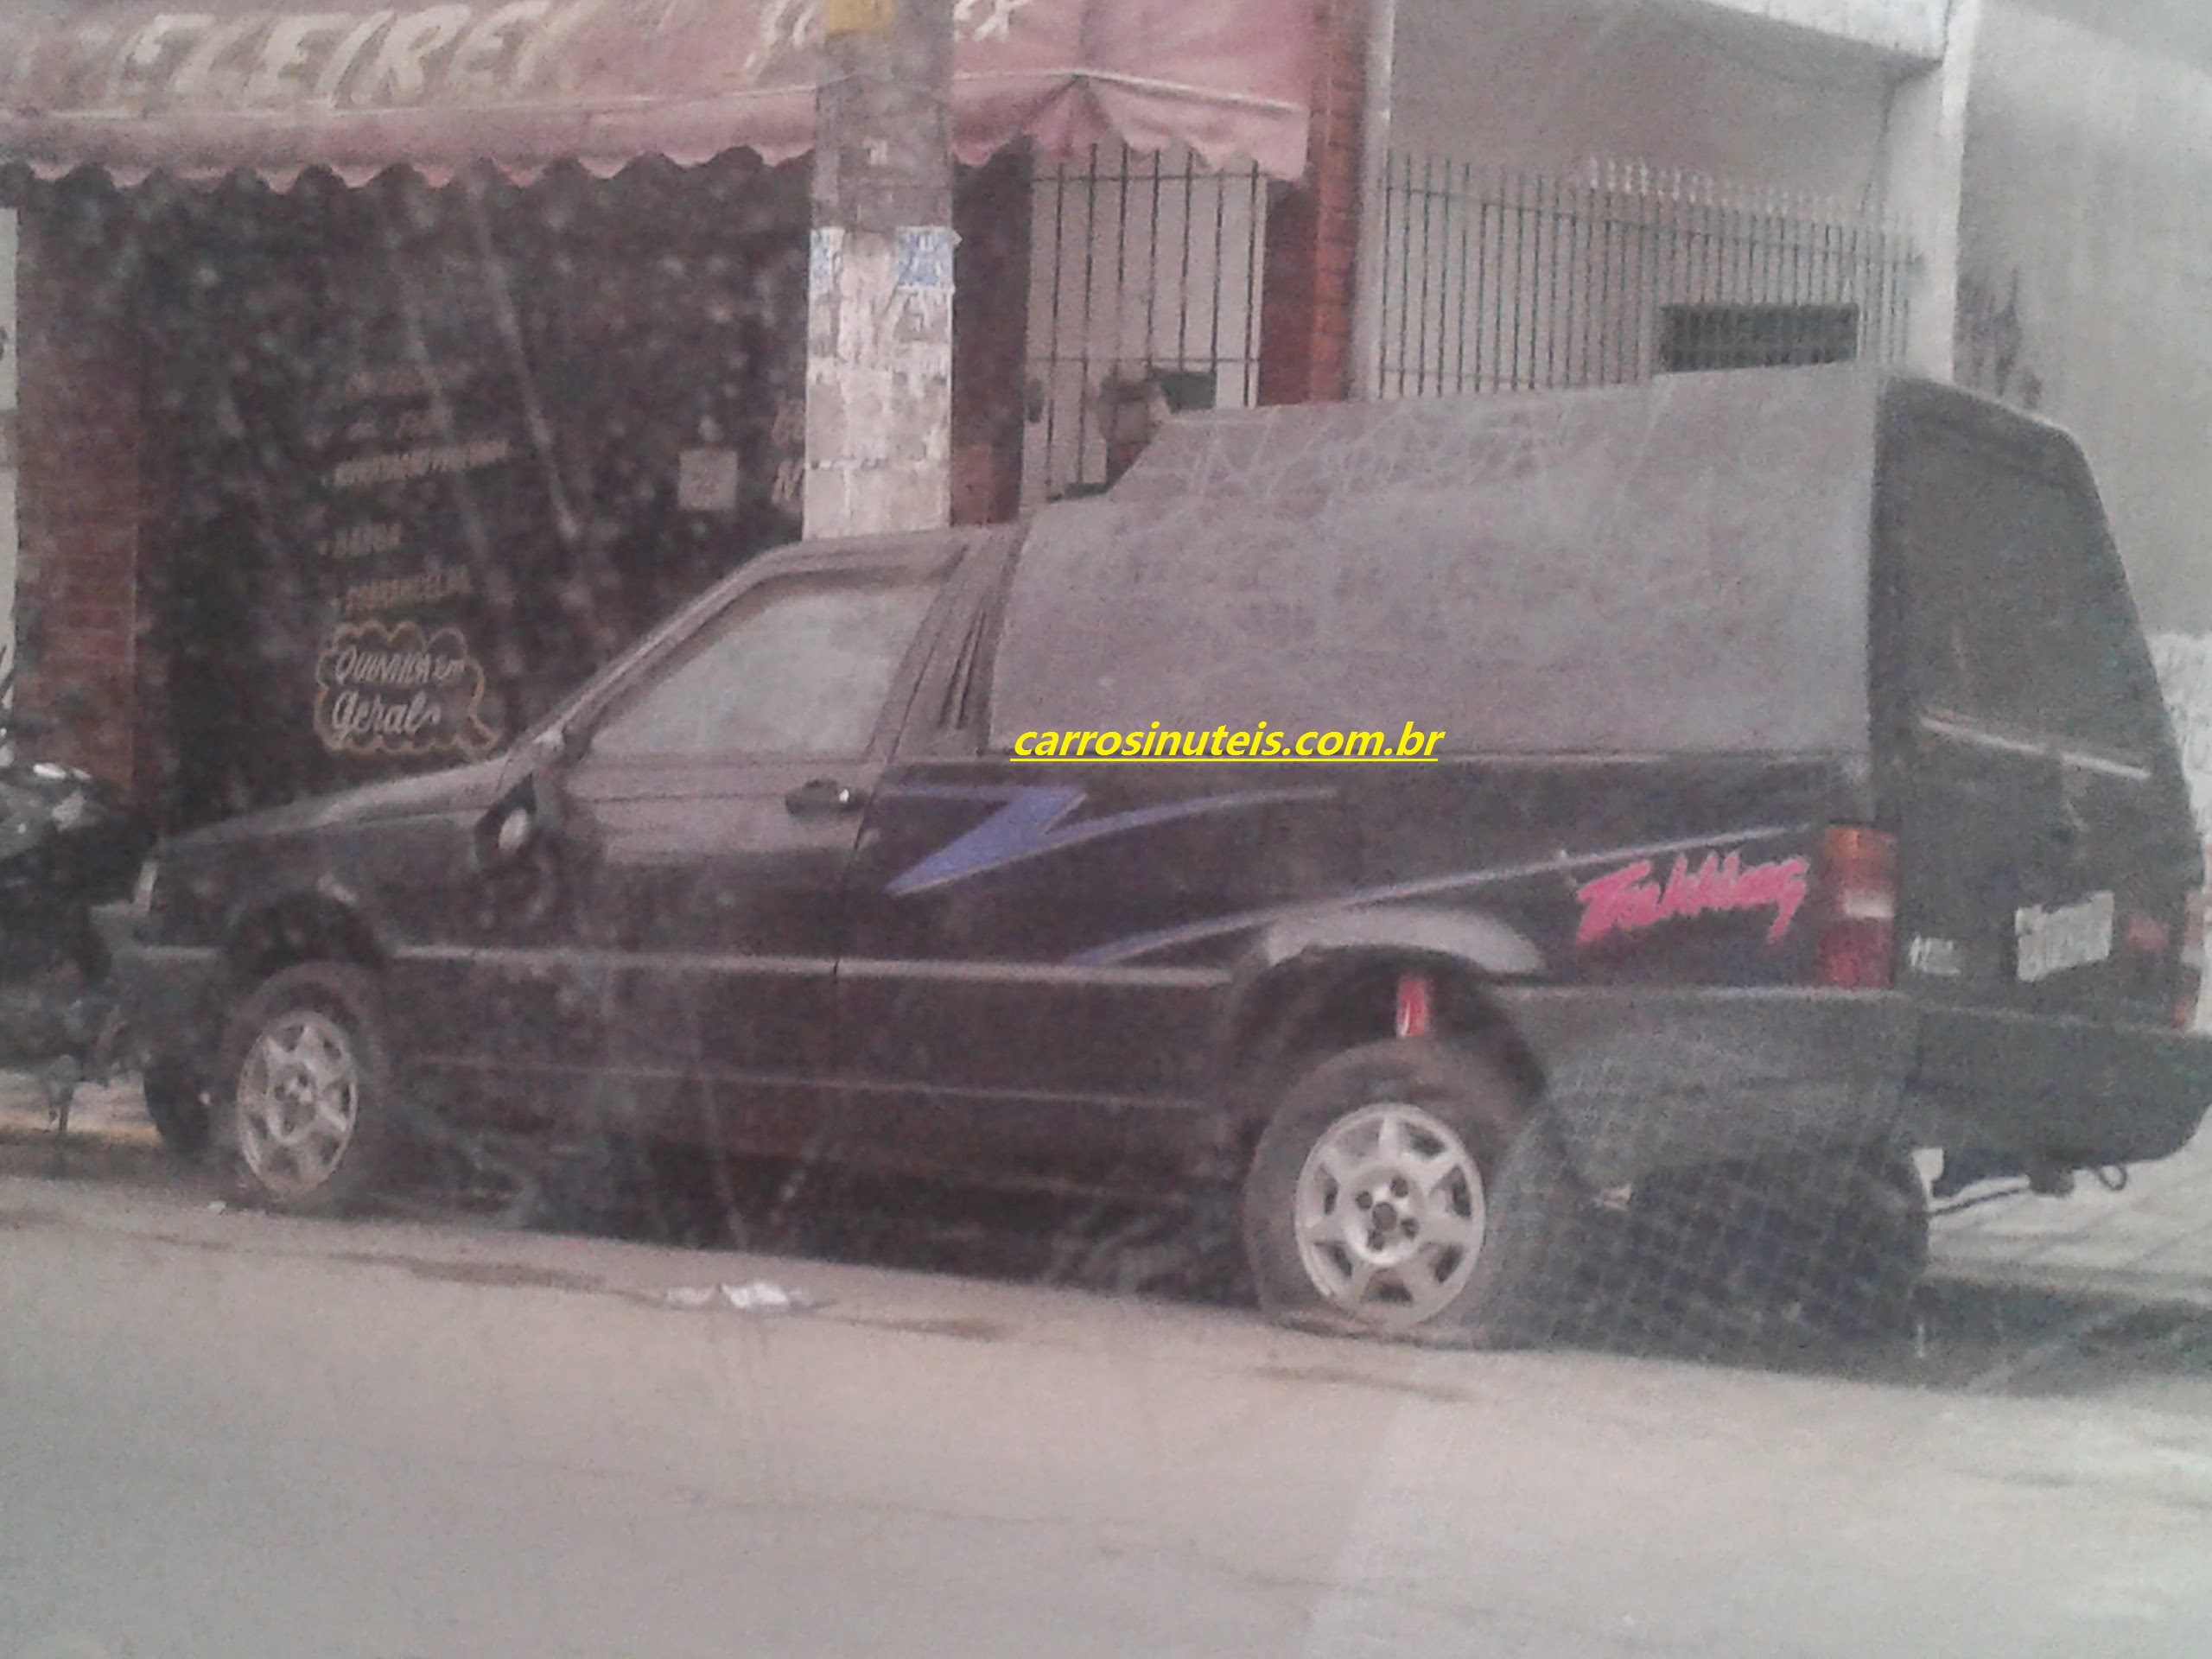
(113, 1113)
(2152, 1241)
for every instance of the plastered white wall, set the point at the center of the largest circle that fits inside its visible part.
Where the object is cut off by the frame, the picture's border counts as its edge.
(1547, 85)
(2086, 265)
(1905, 28)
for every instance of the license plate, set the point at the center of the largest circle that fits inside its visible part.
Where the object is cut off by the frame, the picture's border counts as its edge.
(2068, 936)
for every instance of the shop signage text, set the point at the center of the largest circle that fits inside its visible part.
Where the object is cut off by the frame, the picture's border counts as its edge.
(462, 54)
(399, 691)
(310, 60)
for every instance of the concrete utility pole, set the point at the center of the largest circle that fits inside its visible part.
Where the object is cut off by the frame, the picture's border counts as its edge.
(879, 335)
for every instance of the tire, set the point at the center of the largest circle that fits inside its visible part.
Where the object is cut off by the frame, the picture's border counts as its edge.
(1465, 1212)
(178, 1106)
(1874, 1207)
(303, 1100)
(1826, 1244)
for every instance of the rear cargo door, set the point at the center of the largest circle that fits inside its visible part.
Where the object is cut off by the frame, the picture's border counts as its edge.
(2045, 834)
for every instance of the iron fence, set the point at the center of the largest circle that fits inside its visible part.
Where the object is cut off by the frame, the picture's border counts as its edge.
(1499, 280)
(1145, 272)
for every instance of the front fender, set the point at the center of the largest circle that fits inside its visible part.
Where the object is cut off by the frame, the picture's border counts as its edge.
(306, 903)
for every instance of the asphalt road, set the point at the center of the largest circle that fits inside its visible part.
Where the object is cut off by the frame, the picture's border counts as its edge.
(225, 1433)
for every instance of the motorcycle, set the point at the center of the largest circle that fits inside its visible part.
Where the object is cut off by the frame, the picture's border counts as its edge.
(67, 844)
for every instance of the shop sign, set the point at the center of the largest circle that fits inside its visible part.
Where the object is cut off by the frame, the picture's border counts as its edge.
(274, 61)
(451, 55)
(400, 690)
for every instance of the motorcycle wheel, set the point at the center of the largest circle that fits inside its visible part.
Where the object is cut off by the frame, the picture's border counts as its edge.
(178, 1106)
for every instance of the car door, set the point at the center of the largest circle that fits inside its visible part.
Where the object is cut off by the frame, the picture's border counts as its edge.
(1001, 1005)
(706, 829)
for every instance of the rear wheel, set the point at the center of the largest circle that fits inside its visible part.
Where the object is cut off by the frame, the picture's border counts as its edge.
(303, 1096)
(1828, 1242)
(1401, 1189)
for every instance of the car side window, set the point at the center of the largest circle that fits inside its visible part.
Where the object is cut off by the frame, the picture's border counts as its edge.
(799, 666)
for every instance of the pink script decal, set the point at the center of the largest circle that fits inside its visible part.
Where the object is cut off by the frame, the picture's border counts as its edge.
(1628, 901)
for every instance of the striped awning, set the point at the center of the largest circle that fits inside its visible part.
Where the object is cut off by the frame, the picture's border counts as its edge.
(213, 86)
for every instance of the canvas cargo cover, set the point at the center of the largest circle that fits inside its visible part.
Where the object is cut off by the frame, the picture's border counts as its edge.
(1679, 566)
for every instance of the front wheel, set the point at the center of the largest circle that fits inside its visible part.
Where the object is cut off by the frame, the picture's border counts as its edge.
(1402, 1189)
(303, 1096)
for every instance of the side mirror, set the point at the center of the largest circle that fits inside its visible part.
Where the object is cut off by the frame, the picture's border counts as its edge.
(516, 826)
(532, 812)
(509, 830)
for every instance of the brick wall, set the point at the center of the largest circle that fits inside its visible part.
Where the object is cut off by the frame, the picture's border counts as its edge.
(79, 490)
(1313, 234)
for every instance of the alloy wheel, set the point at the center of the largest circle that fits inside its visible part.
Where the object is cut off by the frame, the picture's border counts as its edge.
(299, 1097)
(1389, 1215)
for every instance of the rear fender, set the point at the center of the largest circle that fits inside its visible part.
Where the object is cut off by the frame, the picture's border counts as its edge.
(1479, 942)
(1313, 984)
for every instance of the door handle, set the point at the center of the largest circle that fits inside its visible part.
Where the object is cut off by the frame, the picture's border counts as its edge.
(823, 797)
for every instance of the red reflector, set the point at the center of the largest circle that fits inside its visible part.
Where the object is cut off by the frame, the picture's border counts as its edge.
(2188, 973)
(1415, 1006)
(2146, 936)
(1857, 908)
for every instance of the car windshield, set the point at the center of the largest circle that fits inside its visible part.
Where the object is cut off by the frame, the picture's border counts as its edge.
(1095, 827)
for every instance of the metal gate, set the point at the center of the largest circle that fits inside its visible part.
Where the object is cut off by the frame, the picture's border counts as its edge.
(1496, 282)
(1145, 273)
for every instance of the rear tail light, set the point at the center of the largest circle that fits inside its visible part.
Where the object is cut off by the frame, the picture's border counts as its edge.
(1857, 908)
(2189, 978)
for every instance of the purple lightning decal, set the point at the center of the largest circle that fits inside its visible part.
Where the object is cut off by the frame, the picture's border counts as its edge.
(1031, 824)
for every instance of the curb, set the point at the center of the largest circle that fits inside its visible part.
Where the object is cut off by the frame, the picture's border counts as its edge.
(2176, 1292)
(37, 1131)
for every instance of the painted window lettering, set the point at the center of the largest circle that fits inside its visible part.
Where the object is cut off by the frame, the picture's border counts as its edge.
(1628, 901)
(2070, 936)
